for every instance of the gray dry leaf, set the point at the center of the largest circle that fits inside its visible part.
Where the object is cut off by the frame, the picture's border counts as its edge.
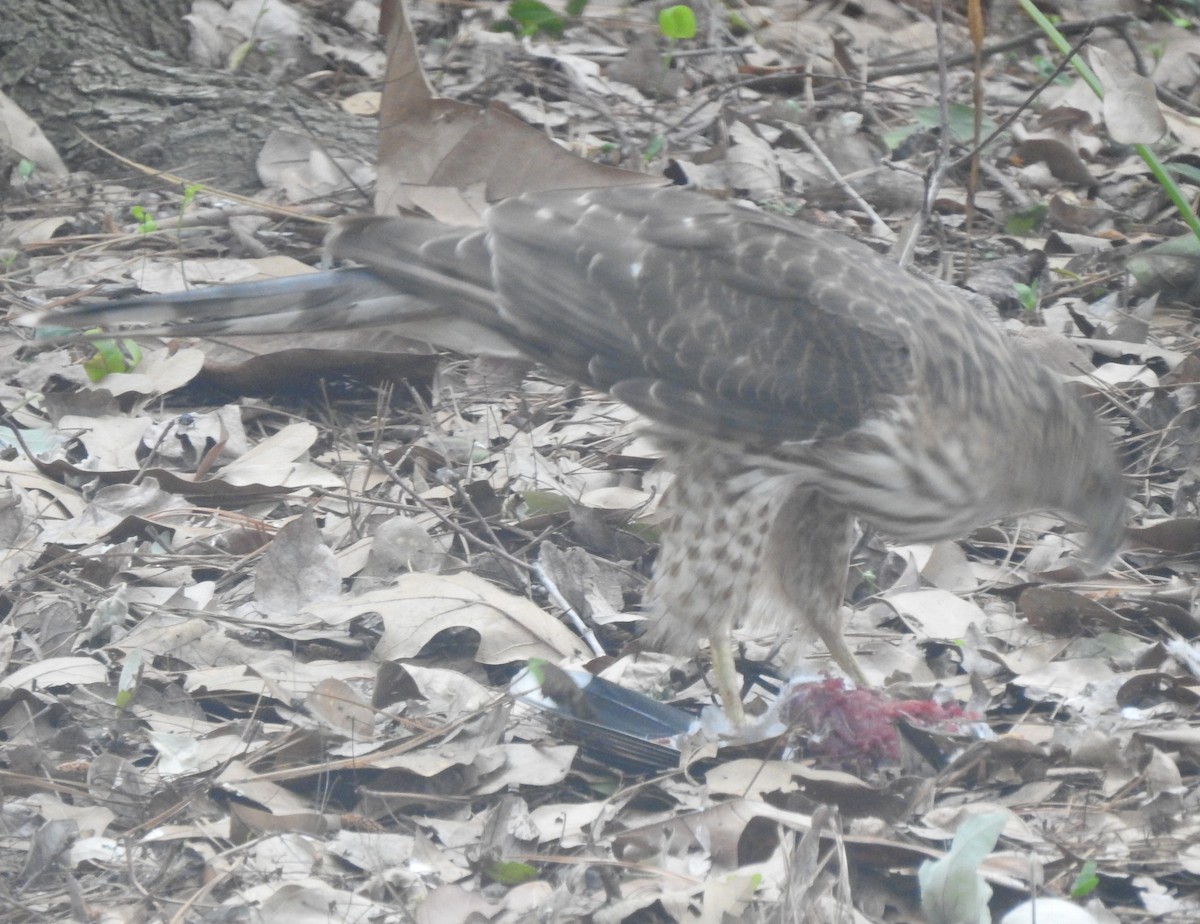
(276, 461)
(751, 164)
(182, 755)
(936, 614)
(118, 784)
(402, 544)
(341, 708)
(185, 440)
(238, 779)
(110, 507)
(1077, 681)
(111, 442)
(296, 571)
(46, 848)
(64, 671)
(375, 852)
(1131, 112)
(510, 628)
(303, 900)
(304, 169)
(22, 135)
(591, 587)
(20, 530)
(163, 276)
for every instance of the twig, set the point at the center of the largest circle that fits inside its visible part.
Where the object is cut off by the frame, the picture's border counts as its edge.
(937, 170)
(1025, 38)
(1025, 103)
(569, 611)
(878, 226)
(446, 521)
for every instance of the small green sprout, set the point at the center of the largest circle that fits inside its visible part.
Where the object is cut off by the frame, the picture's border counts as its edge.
(677, 22)
(1086, 882)
(146, 222)
(111, 356)
(531, 17)
(1027, 295)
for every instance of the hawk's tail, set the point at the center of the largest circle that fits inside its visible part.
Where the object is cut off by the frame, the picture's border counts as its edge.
(419, 290)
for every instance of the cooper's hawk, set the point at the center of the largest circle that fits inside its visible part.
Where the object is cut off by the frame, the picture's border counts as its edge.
(797, 380)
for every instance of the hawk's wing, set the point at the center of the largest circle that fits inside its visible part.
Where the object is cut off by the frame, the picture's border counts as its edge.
(707, 317)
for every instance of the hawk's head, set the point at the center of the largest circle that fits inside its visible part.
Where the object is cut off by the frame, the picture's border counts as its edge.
(1083, 479)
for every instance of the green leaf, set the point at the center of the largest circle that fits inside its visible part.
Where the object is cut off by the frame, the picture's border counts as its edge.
(189, 194)
(1187, 171)
(1027, 220)
(111, 356)
(576, 7)
(544, 503)
(537, 669)
(533, 16)
(962, 121)
(1086, 882)
(1026, 295)
(961, 124)
(677, 22)
(146, 222)
(898, 135)
(1179, 22)
(510, 872)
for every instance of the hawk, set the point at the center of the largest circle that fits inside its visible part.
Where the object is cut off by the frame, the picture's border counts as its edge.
(795, 379)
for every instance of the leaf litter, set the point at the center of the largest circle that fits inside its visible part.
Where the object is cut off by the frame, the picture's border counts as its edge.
(318, 621)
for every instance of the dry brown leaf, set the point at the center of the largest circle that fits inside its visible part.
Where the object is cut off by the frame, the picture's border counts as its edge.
(430, 141)
(1131, 112)
(419, 606)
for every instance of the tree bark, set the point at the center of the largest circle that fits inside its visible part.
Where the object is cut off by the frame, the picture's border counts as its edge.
(118, 71)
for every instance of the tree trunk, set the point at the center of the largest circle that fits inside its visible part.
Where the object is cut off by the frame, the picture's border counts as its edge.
(118, 71)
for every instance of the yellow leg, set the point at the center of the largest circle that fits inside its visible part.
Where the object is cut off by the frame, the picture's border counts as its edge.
(805, 564)
(728, 685)
(829, 628)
